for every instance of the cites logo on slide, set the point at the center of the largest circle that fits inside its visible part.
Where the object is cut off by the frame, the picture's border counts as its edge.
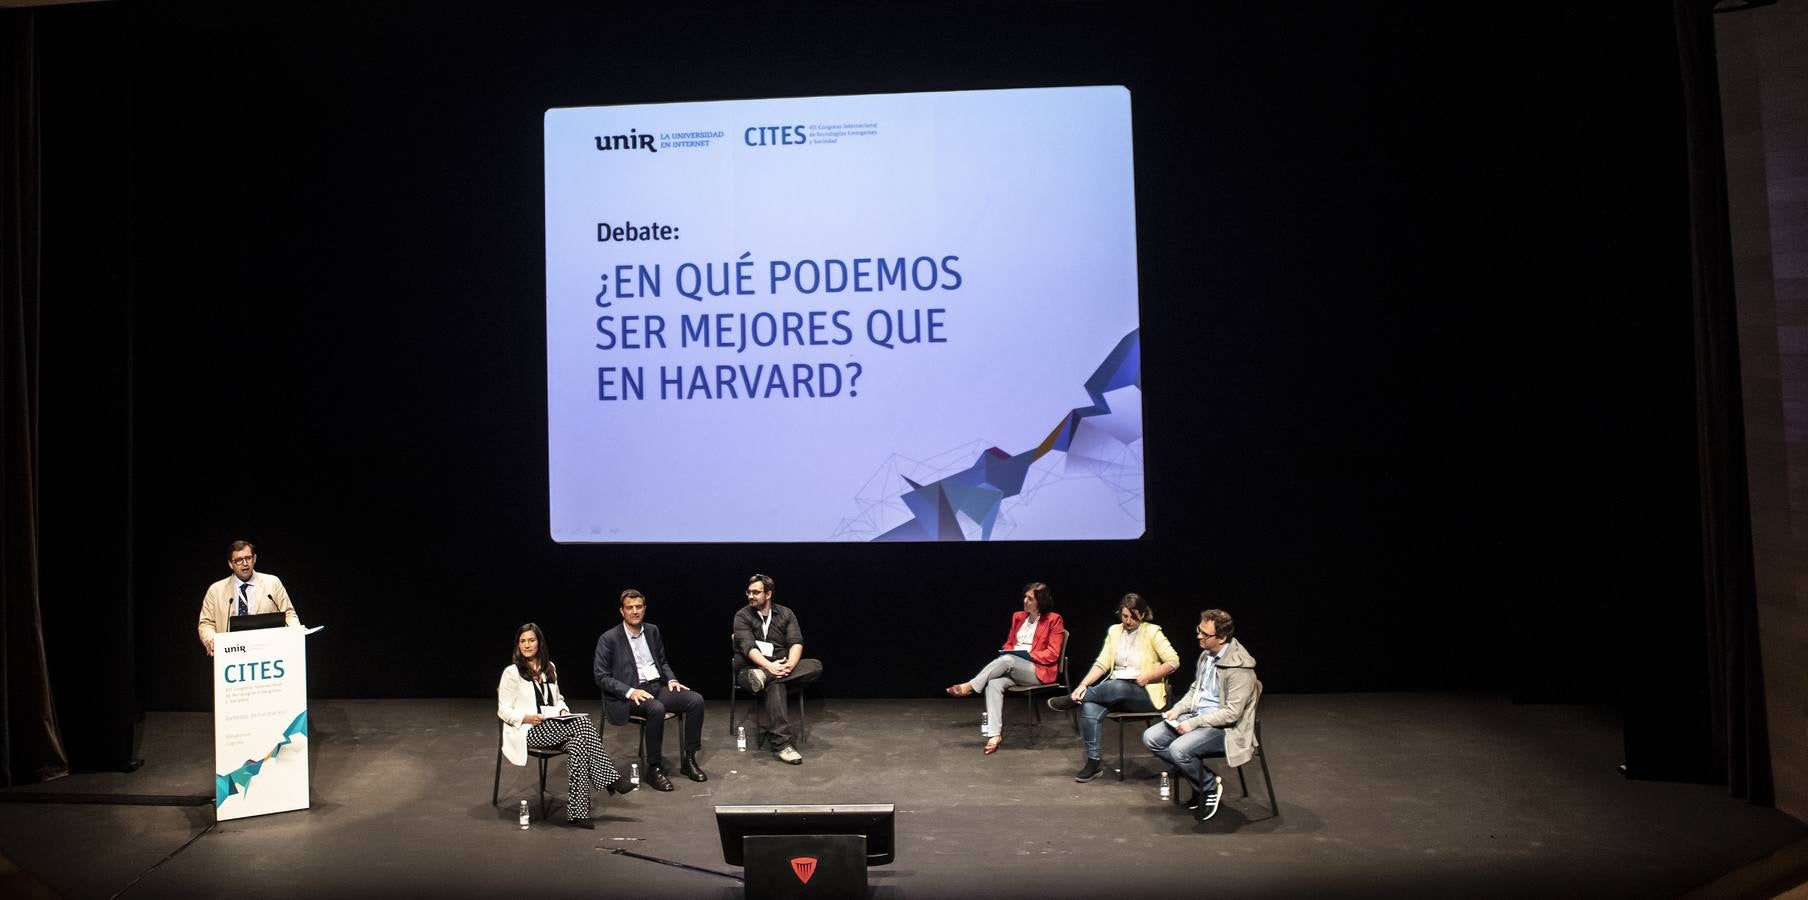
(774, 135)
(633, 140)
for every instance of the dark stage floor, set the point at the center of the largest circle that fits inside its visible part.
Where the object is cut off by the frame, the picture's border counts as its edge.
(1381, 794)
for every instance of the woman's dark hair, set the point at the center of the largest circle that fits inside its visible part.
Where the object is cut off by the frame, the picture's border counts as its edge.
(1045, 598)
(548, 671)
(1136, 604)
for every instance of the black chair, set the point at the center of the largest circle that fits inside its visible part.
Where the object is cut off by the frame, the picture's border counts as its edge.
(1033, 692)
(1260, 755)
(635, 719)
(540, 753)
(735, 690)
(1122, 716)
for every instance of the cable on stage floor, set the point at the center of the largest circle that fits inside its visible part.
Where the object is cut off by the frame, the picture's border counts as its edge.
(172, 855)
(673, 863)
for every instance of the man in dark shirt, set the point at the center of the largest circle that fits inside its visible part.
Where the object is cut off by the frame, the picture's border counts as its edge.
(769, 648)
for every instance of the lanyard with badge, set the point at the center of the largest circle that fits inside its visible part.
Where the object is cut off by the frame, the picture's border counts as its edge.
(546, 698)
(765, 631)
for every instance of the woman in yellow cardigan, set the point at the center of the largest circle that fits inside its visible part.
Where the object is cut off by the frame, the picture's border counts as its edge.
(1128, 676)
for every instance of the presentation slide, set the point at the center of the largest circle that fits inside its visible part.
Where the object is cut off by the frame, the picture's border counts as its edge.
(898, 317)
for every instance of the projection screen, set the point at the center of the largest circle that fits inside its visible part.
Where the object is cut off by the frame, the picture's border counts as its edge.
(903, 317)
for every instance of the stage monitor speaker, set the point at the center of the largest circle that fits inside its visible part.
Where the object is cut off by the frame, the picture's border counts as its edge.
(872, 821)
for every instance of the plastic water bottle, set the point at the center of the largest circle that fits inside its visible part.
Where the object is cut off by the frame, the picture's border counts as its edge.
(634, 773)
(740, 738)
(982, 723)
(1167, 790)
(524, 815)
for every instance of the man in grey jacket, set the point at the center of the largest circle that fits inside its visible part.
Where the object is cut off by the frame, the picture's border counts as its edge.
(1217, 714)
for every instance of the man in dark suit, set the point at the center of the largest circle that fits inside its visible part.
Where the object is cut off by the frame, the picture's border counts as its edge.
(636, 679)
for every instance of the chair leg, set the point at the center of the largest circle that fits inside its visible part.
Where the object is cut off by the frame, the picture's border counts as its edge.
(544, 803)
(1272, 804)
(1243, 780)
(1120, 749)
(803, 725)
(602, 728)
(1035, 738)
(496, 786)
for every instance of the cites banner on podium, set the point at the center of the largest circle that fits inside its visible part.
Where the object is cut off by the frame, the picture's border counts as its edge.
(260, 722)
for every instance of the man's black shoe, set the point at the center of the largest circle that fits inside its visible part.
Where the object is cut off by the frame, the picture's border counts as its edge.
(1061, 702)
(657, 779)
(1089, 771)
(688, 768)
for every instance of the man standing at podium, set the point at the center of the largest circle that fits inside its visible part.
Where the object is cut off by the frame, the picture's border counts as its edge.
(245, 592)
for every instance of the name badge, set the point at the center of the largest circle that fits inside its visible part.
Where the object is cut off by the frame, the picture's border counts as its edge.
(765, 648)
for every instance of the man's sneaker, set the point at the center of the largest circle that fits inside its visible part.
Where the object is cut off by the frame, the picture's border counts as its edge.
(1061, 702)
(1208, 800)
(1089, 771)
(789, 754)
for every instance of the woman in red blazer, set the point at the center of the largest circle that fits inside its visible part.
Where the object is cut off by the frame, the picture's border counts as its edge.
(1031, 649)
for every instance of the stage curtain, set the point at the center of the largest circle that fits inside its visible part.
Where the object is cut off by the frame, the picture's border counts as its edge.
(31, 746)
(1736, 686)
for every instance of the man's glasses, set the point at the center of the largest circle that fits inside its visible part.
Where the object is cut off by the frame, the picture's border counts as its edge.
(242, 559)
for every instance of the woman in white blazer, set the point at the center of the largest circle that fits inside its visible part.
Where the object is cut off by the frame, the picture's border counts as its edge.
(534, 714)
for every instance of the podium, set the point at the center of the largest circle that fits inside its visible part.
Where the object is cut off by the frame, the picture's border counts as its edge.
(804, 865)
(260, 722)
(807, 850)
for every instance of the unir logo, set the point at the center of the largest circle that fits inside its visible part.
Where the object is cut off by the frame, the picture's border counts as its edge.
(633, 140)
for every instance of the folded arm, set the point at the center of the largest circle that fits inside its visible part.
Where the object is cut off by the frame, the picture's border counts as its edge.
(508, 691)
(1047, 650)
(603, 668)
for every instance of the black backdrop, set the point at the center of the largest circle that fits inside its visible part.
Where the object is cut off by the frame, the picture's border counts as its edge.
(1416, 340)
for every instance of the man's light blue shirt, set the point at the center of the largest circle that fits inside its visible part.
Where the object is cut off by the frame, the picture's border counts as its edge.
(1207, 688)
